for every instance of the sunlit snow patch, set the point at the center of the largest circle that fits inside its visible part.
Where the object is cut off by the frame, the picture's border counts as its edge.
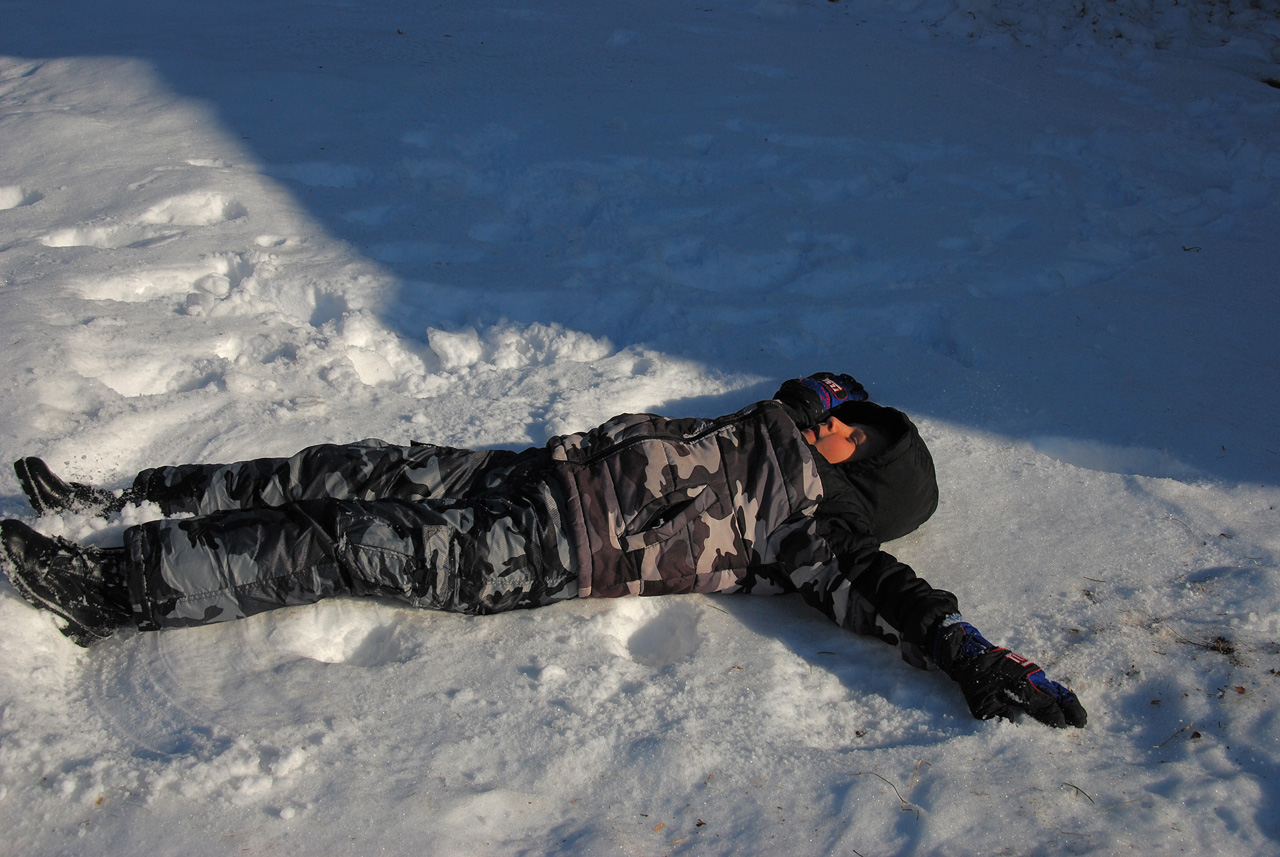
(508, 346)
(354, 634)
(652, 633)
(13, 196)
(1094, 455)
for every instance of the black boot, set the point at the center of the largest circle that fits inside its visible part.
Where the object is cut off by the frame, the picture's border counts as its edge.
(48, 493)
(85, 586)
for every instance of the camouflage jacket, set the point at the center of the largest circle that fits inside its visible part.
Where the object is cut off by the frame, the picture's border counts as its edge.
(658, 506)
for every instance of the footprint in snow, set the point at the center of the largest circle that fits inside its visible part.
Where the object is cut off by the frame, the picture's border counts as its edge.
(157, 225)
(653, 634)
(14, 196)
(347, 634)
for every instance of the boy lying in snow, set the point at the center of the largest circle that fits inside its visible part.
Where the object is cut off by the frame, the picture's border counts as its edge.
(794, 494)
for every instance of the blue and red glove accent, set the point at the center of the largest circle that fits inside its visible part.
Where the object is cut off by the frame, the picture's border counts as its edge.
(999, 683)
(814, 396)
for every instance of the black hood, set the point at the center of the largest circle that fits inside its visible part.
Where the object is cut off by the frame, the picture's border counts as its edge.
(898, 487)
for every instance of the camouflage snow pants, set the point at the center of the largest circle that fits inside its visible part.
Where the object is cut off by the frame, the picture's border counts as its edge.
(436, 527)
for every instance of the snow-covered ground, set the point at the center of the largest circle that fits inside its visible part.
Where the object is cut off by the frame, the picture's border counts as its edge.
(1048, 230)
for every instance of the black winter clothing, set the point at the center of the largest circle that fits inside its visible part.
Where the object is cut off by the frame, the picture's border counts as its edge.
(435, 527)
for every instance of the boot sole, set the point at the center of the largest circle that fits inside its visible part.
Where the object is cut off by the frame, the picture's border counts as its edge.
(22, 467)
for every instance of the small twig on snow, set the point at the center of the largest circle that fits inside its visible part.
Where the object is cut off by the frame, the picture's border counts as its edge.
(1174, 735)
(1081, 791)
(906, 806)
(915, 775)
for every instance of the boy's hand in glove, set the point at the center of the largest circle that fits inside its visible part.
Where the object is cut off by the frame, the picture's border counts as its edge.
(812, 397)
(997, 683)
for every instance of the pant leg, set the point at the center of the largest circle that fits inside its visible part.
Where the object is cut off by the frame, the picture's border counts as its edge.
(468, 556)
(366, 470)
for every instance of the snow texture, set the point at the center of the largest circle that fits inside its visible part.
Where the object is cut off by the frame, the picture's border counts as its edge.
(1047, 230)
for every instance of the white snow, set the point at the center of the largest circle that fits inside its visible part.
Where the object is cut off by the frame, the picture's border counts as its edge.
(1047, 230)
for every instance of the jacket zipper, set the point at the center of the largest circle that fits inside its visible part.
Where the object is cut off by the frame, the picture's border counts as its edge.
(714, 427)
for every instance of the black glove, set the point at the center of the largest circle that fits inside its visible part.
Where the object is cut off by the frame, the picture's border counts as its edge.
(812, 397)
(998, 683)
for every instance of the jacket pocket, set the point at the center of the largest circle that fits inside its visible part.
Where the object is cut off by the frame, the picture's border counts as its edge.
(669, 518)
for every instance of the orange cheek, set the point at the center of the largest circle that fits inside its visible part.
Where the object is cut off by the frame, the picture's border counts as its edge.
(835, 448)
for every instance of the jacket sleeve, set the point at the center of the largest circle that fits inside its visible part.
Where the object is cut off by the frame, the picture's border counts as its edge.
(849, 579)
(793, 409)
(906, 602)
(887, 597)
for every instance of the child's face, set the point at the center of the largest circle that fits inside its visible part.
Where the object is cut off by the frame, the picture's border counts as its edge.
(836, 441)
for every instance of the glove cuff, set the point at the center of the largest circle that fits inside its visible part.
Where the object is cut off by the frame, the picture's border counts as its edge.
(803, 400)
(957, 645)
(933, 638)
